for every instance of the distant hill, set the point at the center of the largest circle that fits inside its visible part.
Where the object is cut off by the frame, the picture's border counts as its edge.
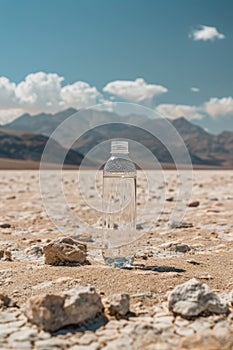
(204, 148)
(41, 124)
(25, 146)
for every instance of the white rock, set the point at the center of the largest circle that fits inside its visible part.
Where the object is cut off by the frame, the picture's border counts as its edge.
(119, 305)
(193, 298)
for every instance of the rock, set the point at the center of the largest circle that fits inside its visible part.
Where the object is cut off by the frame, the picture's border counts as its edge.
(170, 199)
(75, 306)
(63, 250)
(5, 255)
(208, 340)
(11, 197)
(180, 224)
(119, 305)
(193, 262)
(176, 247)
(4, 300)
(5, 225)
(194, 204)
(193, 298)
(34, 250)
(182, 248)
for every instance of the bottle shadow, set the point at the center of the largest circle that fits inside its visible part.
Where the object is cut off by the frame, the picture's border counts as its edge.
(154, 268)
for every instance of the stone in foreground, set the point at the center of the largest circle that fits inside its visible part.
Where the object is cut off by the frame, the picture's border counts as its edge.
(209, 340)
(73, 307)
(65, 250)
(194, 204)
(193, 298)
(119, 305)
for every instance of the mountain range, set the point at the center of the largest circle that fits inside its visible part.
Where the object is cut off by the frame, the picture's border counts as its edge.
(26, 137)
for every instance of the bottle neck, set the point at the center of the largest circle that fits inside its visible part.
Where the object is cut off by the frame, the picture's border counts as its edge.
(120, 155)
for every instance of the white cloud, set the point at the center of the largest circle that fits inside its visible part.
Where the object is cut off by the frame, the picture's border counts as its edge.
(7, 93)
(7, 115)
(194, 89)
(43, 92)
(206, 33)
(219, 106)
(137, 90)
(40, 92)
(79, 95)
(174, 111)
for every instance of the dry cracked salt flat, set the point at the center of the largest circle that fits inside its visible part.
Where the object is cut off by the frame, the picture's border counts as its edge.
(178, 295)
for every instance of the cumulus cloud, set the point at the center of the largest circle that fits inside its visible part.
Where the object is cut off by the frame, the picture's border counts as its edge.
(79, 95)
(137, 90)
(43, 92)
(40, 92)
(206, 33)
(7, 93)
(219, 106)
(215, 107)
(174, 111)
(194, 89)
(8, 115)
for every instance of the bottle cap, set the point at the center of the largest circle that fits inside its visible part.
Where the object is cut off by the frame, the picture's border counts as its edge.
(119, 147)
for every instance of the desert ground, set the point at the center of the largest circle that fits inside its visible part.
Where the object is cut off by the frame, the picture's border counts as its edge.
(179, 238)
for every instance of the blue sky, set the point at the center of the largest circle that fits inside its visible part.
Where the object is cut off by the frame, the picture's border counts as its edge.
(151, 52)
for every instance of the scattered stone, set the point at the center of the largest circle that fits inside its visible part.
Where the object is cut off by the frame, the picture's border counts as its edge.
(176, 247)
(182, 248)
(63, 250)
(11, 197)
(75, 306)
(208, 341)
(5, 225)
(194, 204)
(34, 250)
(5, 255)
(170, 199)
(119, 305)
(139, 227)
(193, 298)
(194, 262)
(4, 300)
(180, 224)
(206, 277)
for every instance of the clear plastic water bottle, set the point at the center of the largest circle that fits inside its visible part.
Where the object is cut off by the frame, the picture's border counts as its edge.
(119, 205)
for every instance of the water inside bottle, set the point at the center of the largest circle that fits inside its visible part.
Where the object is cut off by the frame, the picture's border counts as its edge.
(119, 207)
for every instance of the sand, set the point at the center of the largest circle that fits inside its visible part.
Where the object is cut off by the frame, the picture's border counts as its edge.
(157, 269)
